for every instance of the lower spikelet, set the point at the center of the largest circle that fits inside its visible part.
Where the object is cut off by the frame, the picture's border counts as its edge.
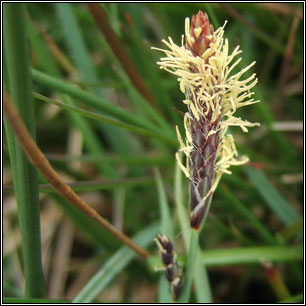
(173, 272)
(203, 66)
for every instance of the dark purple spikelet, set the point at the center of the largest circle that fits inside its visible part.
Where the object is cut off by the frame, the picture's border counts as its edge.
(172, 270)
(205, 142)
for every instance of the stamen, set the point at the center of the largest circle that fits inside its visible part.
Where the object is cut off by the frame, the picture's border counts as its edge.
(203, 67)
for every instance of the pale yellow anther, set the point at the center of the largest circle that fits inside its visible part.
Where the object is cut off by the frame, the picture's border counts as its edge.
(183, 168)
(211, 93)
(179, 137)
(187, 26)
(194, 111)
(182, 86)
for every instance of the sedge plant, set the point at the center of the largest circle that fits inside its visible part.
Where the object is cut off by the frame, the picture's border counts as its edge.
(204, 67)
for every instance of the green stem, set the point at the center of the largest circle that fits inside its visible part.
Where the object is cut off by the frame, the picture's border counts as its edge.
(24, 175)
(191, 264)
(202, 285)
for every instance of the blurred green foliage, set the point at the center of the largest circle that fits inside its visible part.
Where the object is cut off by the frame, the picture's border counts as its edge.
(241, 213)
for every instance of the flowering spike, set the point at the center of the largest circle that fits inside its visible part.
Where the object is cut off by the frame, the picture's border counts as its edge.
(172, 270)
(199, 36)
(204, 65)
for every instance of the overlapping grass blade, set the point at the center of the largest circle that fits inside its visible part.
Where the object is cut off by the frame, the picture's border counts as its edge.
(81, 57)
(109, 120)
(274, 200)
(114, 266)
(97, 102)
(97, 234)
(246, 255)
(242, 209)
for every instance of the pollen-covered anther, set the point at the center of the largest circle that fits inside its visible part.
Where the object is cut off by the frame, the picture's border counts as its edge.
(204, 66)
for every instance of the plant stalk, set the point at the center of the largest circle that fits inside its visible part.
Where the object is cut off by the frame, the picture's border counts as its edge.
(191, 264)
(24, 175)
(43, 165)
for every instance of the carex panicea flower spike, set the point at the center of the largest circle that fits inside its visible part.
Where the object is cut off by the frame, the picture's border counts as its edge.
(204, 68)
(173, 272)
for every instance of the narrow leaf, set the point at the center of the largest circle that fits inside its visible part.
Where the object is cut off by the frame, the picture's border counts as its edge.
(274, 200)
(114, 266)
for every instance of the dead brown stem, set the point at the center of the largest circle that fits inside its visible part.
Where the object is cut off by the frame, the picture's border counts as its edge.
(39, 160)
(118, 48)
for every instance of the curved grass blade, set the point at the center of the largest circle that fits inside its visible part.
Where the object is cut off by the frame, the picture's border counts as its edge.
(245, 212)
(98, 235)
(274, 200)
(73, 37)
(114, 266)
(93, 100)
(108, 120)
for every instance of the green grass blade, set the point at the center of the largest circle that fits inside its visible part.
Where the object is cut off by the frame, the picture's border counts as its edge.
(295, 229)
(274, 200)
(246, 255)
(114, 159)
(40, 49)
(201, 281)
(13, 300)
(105, 119)
(142, 105)
(97, 234)
(25, 176)
(164, 295)
(190, 267)
(242, 209)
(114, 266)
(166, 221)
(95, 101)
(249, 255)
(81, 58)
(101, 184)
(181, 210)
(91, 140)
(299, 298)
(76, 45)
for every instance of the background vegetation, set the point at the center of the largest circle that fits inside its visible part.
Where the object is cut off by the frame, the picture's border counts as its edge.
(111, 135)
